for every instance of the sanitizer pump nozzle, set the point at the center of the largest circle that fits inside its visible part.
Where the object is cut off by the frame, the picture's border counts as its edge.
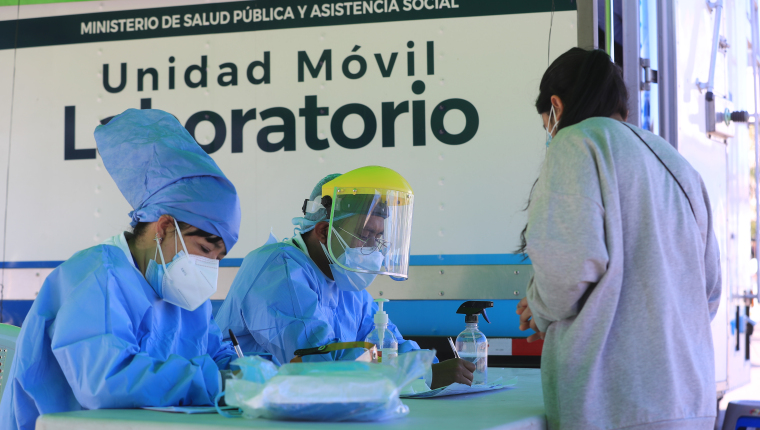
(384, 339)
(472, 344)
(473, 308)
(381, 318)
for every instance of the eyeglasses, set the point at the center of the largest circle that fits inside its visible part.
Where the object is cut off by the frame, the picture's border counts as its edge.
(380, 244)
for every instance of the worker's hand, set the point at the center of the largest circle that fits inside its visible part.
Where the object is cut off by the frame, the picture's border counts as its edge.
(528, 322)
(450, 371)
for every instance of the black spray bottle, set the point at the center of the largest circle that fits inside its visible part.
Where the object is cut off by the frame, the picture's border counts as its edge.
(472, 344)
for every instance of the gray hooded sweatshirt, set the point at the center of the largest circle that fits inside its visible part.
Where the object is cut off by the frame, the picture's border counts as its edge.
(627, 279)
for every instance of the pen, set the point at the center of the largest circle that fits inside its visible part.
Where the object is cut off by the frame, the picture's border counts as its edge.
(236, 345)
(453, 348)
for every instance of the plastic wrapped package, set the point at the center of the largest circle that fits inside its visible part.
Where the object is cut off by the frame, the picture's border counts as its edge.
(327, 391)
(253, 368)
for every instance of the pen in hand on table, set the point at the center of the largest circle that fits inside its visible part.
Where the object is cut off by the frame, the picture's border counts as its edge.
(236, 345)
(453, 348)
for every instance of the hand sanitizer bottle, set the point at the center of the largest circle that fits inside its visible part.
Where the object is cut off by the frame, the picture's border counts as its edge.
(384, 340)
(472, 344)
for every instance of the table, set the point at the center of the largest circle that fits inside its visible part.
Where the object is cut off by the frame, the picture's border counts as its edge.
(521, 407)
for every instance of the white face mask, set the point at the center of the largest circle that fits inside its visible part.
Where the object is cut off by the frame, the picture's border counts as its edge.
(552, 115)
(359, 258)
(187, 281)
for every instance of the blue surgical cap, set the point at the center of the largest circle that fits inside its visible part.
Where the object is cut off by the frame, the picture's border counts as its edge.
(308, 221)
(160, 169)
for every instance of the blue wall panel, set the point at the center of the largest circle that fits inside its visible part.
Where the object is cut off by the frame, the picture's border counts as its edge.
(439, 318)
(14, 311)
(413, 317)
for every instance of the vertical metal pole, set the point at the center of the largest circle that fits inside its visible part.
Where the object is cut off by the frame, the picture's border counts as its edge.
(588, 24)
(666, 74)
(755, 56)
(609, 32)
(631, 59)
(718, 5)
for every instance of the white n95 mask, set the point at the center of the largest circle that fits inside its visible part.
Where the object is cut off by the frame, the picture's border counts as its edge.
(187, 281)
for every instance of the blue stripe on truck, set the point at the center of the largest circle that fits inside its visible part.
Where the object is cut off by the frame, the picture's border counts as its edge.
(413, 317)
(414, 260)
(30, 264)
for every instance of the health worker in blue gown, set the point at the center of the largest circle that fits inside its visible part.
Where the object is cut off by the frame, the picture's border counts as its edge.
(310, 290)
(128, 323)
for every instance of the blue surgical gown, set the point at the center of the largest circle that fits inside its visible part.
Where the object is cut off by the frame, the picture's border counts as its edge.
(98, 336)
(280, 302)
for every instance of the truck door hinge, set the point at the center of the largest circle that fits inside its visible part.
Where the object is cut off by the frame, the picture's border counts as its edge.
(649, 75)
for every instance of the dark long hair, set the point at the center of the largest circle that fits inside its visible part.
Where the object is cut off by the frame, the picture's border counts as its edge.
(589, 85)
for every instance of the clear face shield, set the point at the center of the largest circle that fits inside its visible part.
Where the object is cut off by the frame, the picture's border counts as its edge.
(370, 230)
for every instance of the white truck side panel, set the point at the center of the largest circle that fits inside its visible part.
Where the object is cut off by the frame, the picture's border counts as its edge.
(469, 196)
(722, 162)
(7, 69)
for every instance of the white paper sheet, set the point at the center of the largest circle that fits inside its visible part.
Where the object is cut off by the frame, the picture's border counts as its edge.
(455, 389)
(188, 409)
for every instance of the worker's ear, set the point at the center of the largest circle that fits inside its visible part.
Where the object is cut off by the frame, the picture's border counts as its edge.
(320, 231)
(165, 226)
(559, 107)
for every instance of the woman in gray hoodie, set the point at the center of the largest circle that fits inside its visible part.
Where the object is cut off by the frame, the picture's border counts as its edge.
(627, 267)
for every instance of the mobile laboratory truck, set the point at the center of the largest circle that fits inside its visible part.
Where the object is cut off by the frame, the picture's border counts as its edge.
(283, 92)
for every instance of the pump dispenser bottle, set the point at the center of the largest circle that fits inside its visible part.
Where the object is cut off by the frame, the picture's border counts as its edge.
(472, 344)
(384, 340)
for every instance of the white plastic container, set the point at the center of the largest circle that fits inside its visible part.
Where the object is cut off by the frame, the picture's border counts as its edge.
(381, 337)
(472, 346)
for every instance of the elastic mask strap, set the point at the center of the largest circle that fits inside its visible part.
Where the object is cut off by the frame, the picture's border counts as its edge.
(221, 411)
(342, 242)
(181, 239)
(161, 253)
(352, 235)
(327, 254)
(553, 114)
